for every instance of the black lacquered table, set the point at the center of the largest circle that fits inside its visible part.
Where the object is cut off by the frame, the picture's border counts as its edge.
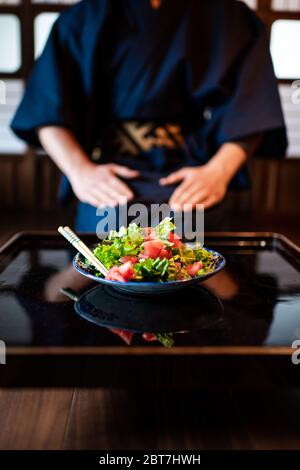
(247, 314)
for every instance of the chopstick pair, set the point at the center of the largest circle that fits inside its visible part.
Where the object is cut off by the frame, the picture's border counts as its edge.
(82, 248)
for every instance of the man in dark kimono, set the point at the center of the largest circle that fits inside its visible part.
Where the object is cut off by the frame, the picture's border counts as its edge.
(154, 101)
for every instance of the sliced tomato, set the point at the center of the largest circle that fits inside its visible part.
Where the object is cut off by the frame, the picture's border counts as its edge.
(127, 271)
(112, 271)
(131, 258)
(125, 335)
(193, 269)
(178, 265)
(152, 248)
(149, 233)
(143, 256)
(150, 337)
(165, 253)
(115, 275)
(175, 239)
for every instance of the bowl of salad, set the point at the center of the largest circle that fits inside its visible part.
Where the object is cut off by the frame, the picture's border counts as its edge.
(150, 260)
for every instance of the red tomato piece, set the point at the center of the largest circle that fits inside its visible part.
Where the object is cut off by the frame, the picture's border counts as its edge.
(175, 239)
(114, 275)
(165, 253)
(114, 270)
(193, 269)
(143, 256)
(150, 337)
(131, 258)
(150, 233)
(125, 335)
(152, 248)
(127, 271)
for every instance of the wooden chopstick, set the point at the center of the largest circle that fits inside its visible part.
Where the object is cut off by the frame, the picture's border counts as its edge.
(83, 245)
(72, 238)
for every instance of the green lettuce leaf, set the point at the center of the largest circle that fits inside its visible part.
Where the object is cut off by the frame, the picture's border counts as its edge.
(164, 228)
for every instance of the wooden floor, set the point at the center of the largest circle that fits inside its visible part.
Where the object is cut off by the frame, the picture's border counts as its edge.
(119, 419)
(112, 419)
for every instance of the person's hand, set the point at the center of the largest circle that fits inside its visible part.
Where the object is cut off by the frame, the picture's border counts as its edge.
(199, 185)
(99, 185)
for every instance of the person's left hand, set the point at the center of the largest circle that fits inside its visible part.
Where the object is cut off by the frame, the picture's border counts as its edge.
(199, 185)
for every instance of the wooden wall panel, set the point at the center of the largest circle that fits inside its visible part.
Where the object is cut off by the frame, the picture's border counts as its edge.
(28, 182)
(288, 190)
(31, 182)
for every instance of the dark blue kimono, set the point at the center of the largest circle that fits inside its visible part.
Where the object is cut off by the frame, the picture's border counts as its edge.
(202, 64)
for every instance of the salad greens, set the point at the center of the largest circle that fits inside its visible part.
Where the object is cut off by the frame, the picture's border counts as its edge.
(166, 339)
(152, 254)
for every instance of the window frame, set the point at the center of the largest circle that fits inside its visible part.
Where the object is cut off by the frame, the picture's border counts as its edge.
(26, 11)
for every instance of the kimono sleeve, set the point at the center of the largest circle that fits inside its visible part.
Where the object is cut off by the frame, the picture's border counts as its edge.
(254, 106)
(54, 92)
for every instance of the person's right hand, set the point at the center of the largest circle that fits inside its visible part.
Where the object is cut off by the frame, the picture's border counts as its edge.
(100, 186)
